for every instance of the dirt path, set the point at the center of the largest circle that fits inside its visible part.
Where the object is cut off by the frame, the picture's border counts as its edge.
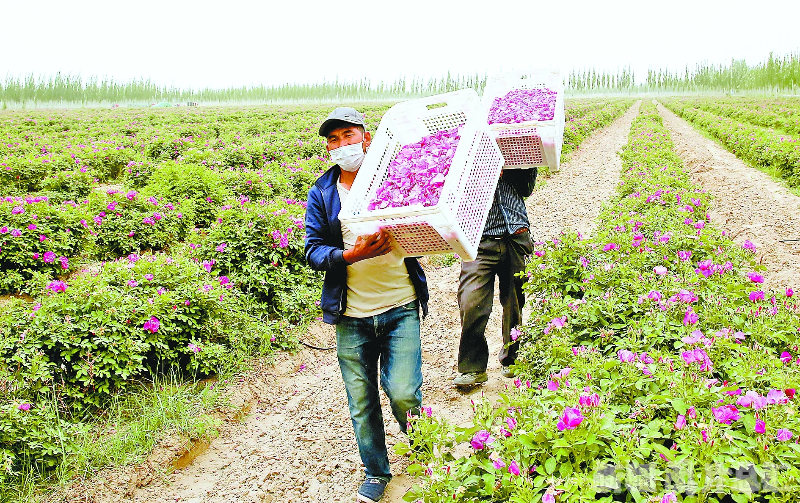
(297, 444)
(748, 204)
(573, 198)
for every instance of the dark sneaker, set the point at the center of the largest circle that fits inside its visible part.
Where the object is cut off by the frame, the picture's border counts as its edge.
(470, 379)
(371, 491)
(507, 372)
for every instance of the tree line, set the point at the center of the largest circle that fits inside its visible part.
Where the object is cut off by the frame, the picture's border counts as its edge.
(775, 74)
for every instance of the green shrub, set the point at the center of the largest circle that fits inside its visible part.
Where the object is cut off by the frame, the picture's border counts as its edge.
(202, 186)
(104, 160)
(97, 333)
(33, 434)
(137, 173)
(259, 247)
(66, 186)
(36, 235)
(22, 173)
(127, 223)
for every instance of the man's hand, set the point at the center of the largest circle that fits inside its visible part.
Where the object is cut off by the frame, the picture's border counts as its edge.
(369, 246)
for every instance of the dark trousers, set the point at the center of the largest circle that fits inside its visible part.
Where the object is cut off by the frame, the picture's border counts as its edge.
(503, 258)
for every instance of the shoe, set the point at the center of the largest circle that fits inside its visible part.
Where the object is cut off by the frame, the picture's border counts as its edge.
(470, 378)
(371, 491)
(507, 372)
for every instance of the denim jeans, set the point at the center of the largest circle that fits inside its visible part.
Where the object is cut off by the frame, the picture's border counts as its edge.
(389, 341)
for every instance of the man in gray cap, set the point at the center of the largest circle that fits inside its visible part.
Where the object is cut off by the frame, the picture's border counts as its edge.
(372, 296)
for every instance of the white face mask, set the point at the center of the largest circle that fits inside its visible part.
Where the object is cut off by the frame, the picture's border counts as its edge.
(349, 157)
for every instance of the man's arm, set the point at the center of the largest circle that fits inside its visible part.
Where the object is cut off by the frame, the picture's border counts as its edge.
(523, 180)
(319, 255)
(324, 257)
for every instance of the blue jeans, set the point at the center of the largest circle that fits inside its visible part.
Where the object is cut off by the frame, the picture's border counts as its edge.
(391, 340)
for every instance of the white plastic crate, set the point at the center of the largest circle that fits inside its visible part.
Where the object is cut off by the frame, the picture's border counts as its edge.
(532, 143)
(455, 224)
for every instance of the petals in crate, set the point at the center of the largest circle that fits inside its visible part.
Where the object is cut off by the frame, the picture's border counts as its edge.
(523, 105)
(417, 173)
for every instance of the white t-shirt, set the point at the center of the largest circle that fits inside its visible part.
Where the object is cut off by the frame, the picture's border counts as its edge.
(374, 285)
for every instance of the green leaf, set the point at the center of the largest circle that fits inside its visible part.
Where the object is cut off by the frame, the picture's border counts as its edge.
(679, 405)
(527, 440)
(488, 481)
(415, 469)
(550, 465)
(413, 494)
(637, 496)
(670, 455)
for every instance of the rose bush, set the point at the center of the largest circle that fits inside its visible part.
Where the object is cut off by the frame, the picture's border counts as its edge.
(259, 247)
(38, 236)
(126, 222)
(98, 331)
(101, 332)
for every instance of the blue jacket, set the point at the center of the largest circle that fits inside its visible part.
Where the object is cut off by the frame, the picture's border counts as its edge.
(324, 249)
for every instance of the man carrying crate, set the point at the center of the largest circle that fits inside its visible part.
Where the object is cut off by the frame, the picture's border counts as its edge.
(504, 246)
(372, 296)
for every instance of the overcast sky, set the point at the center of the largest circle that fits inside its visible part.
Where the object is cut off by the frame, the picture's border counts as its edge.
(233, 43)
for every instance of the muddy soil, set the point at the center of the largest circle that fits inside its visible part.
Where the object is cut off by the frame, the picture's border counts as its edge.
(296, 442)
(748, 204)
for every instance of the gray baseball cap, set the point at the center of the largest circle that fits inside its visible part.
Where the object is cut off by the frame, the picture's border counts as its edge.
(341, 114)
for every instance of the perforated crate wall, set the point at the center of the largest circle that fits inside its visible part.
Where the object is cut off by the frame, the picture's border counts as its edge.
(456, 223)
(473, 201)
(444, 122)
(418, 238)
(521, 147)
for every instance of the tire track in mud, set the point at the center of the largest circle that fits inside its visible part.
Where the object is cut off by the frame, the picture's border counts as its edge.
(296, 444)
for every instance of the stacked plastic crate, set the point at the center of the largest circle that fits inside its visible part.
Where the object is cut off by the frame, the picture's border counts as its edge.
(535, 140)
(446, 211)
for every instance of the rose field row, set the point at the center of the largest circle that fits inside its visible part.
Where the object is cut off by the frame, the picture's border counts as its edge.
(762, 146)
(780, 114)
(654, 365)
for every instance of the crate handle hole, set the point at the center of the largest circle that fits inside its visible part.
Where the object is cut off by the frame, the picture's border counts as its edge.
(436, 105)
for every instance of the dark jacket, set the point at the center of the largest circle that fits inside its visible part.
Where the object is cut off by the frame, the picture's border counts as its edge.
(324, 249)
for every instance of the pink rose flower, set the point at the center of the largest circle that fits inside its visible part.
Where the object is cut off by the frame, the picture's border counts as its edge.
(570, 419)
